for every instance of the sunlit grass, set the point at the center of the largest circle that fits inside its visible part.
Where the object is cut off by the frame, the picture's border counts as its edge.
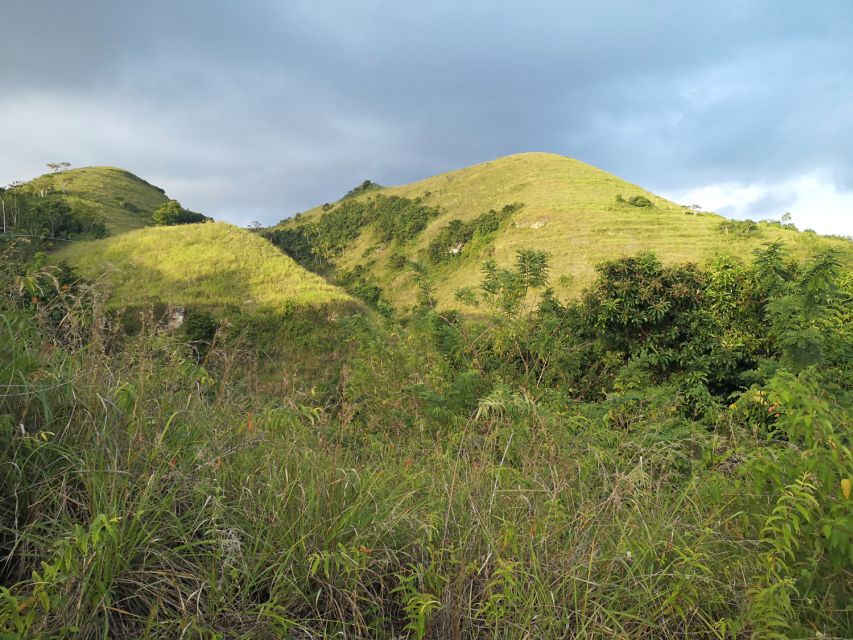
(123, 200)
(570, 211)
(213, 264)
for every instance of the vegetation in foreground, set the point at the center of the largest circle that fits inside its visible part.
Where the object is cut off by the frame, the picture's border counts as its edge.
(666, 457)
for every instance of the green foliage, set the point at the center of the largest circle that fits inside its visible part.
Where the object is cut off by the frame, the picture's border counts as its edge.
(172, 213)
(507, 289)
(44, 221)
(392, 219)
(543, 468)
(810, 316)
(55, 220)
(399, 219)
(635, 201)
(359, 283)
(364, 187)
(740, 228)
(297, 243)
(425, 286)
(456, 235)
(397, 261)
(200, 329)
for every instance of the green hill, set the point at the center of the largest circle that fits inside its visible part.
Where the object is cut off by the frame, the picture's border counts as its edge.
(122, 200)
(568, 208)
(213, 265)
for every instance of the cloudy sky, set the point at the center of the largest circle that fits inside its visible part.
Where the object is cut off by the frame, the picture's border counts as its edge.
(257, 110)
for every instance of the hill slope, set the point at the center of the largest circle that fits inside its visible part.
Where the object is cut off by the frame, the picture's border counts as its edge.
(122, 200)
(569, 209)
(214, 264)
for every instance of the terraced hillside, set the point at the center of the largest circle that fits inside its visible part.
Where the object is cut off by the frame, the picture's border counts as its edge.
(208, 265)
(568, 208)
(122, 200)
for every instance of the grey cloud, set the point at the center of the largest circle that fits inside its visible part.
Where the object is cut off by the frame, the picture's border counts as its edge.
(257, 110)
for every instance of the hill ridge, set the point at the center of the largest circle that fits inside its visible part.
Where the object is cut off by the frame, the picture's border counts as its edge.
(121, 199)
(214, 264)
(579, 213)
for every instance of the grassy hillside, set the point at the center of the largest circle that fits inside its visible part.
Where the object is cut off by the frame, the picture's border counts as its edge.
(569, 209)
(214, 264)
(123, 200)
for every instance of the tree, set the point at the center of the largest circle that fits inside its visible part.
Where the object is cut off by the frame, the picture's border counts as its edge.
(56, 167)
(364, 187)
(172, 213)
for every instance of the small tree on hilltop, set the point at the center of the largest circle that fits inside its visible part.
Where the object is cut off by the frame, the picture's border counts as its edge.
(56, 167)
(172, 213)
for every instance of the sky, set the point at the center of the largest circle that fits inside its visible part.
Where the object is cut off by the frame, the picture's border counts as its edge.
(260, 109)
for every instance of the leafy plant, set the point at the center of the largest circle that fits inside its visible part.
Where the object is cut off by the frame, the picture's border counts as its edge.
(172, 213)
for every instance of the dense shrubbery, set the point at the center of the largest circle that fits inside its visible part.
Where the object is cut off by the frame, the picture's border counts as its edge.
(667, 456)
(393, 219)
(742, 228)
(399, 219)
(172, 213)
(454, 236)
(46, 219)
(364, 187)
(359, 283)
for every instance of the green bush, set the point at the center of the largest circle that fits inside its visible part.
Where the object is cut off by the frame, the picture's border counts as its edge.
(635, 201)
(397, 261)
(364, 187)
(456, 235)
(393, 219)
(741, 228)
(200, 328)
(172, 213)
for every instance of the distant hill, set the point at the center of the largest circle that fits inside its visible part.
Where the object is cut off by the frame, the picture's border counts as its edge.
(580, 214)
(122, 200)
(207, 265)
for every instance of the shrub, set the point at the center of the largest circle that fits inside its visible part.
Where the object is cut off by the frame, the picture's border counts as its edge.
(635, 201)
(397, 261)
(172, 213)
(741, 228)
(394, 219)
(200, 328)
(364, 187)
(454, 236)
(359, 283)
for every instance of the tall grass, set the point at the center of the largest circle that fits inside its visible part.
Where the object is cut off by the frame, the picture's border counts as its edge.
(145, 495)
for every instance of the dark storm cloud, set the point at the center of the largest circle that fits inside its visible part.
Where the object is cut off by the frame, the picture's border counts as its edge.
(256, 110)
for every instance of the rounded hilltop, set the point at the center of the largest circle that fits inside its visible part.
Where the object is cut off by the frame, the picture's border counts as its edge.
(121, 199)
(580, 214)
(214, 265)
